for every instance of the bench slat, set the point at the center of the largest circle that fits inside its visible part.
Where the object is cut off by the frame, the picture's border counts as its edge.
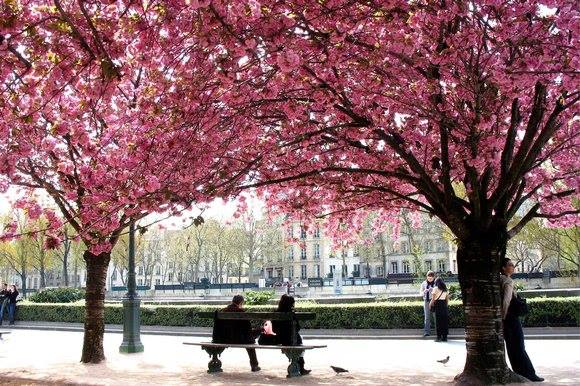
(258, 315)
(255, 346)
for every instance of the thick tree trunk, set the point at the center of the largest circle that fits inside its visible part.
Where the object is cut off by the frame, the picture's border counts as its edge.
(65, 267)
(479, 261)
(95, 307)
(23, 287)
(42, 276)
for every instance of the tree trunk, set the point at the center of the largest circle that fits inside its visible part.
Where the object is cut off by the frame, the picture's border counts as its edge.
(23, 278)
(479, 261)
(95, 307)
(65, 266)
(42, 275)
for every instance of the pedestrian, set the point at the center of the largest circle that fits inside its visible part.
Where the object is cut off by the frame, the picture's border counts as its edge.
(237, 331)
(3, 301)
(283, 329)
(512, 327)
(12, 295)
(426, 289)
(439, 304)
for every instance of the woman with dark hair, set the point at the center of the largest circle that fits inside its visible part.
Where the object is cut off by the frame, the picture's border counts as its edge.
(12, 299)
(512, 327)
(283, 329)
(439, 304)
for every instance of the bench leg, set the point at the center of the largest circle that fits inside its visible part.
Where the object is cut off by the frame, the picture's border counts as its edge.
(294, 367)
(214, 365)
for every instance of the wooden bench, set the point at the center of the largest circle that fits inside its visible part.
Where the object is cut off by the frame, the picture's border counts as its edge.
(293, 353)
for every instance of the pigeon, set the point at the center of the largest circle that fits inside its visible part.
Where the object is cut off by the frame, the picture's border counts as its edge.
(339, 370)
(444, 361)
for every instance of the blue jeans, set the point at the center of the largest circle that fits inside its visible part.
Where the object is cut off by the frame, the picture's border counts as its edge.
(11, 311)
(3, 305)
(428, 313)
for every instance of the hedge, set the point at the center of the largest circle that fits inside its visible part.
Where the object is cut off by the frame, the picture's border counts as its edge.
(382, 315)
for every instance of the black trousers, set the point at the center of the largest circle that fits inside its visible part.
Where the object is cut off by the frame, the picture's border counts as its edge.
(442, 318)
(253, 357)
(514, 341)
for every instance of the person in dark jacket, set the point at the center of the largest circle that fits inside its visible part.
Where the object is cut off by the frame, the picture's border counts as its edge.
(236, 331)
(3, 301)
(513, 333)
(283, 329)
(12, 295)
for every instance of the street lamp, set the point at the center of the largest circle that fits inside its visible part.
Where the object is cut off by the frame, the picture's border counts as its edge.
(131, 304)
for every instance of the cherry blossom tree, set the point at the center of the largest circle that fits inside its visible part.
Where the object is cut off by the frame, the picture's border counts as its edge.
(114, 110)
(464, 110)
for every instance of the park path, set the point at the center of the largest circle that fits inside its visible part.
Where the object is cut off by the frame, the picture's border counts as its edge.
(38, 357)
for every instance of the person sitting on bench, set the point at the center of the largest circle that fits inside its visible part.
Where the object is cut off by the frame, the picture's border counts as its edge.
(283, 329)
(236, 331)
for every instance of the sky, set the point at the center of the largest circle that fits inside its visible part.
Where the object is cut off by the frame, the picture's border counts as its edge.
(218, 209)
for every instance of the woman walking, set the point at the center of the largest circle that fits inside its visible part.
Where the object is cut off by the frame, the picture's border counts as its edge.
(283, 329)
(512, 327)
(439, 303)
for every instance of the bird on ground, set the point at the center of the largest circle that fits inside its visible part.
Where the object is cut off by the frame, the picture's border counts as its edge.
(444, 361)
(339, 370)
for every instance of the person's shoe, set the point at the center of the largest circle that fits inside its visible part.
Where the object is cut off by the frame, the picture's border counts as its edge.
(535, 378)
(444, 339)
(305, 372)
(438, 339)
(426, 334)
(11, 323)
(256, 369)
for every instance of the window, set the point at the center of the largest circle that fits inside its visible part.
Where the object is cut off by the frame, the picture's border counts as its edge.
(441, 245)
(332, 268)
(157, 281)
(269, 273)
(441, 266)
(290, 231)
(302, 232)
(171, 265)
(406, 267)
(317, 267)
(290, 272)
(140, 272)
(317, 251)
(179, 277)
(356, 270)
(454, 266)
(140, 282)
(303, 253)
(279, 272)
(291, 252)
(344, 270)
(356, 251)
(317, 232)
(35, 282)
(158, 270)
(394, 267)
(404, 247)
(428, 246)
(114, 275)
(170, 276)
(428, 265)
(303, 271)
(380, 271)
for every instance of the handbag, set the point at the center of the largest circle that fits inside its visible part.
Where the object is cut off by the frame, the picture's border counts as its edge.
(518, 306)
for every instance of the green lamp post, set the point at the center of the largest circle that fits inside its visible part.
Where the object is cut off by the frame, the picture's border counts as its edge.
(131, 304)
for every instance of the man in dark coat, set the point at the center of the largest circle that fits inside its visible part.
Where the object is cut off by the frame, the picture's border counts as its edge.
(236, 331)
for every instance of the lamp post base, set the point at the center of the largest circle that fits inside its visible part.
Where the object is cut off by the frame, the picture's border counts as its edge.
(131, 327)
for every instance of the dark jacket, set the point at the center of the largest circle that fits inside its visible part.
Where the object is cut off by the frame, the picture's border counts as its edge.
(3, 295)
(12, 296)
(283, 331)
(233, 331)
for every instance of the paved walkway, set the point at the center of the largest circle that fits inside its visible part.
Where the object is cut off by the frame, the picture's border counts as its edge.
(40, 357)
(454, 333)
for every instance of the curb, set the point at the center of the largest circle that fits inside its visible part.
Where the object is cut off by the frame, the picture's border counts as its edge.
(306, 335)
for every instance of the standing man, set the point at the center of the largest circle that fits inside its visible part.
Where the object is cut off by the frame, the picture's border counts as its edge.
(3, 301)
(426, 289)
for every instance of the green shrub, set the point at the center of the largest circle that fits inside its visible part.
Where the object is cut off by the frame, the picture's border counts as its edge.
(454, 292)
(258, 297)
(58, 295)
(543, 312)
